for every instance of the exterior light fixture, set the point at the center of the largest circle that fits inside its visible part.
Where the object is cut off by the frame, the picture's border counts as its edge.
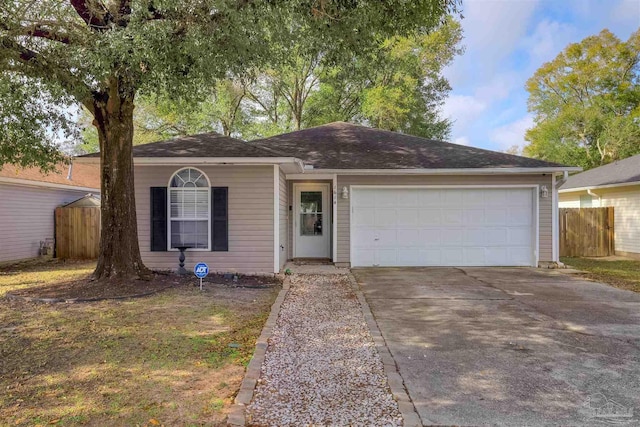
(544, 192)
(345, 193)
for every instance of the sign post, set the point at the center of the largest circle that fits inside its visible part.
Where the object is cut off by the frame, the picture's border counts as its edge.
(201, 270)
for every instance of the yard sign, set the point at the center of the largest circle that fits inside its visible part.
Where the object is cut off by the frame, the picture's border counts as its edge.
(201, 270)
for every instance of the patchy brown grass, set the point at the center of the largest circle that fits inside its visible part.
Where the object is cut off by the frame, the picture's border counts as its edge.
(159, 360)
(623, 274)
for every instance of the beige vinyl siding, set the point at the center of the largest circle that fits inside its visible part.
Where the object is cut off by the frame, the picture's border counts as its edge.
(251, 214)
(27, 217)
(626, 210)
(284, 219)
(545, 205)
(569, 200)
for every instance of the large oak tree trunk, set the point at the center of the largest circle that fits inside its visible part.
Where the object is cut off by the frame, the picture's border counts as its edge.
(119, 250)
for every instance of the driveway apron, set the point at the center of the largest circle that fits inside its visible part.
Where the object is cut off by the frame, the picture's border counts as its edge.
(509, 346)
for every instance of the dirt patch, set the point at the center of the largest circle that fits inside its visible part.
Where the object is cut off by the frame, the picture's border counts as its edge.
(85, 289)
(242, 281)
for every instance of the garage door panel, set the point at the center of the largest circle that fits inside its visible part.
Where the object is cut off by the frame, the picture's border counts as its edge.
(387, 199)
(518, 197)
(474, 256)
(386, 257)
(497, 237)
(519, 236)
(495, 216)
(520, 256)
(408, 217)
(442, 227)
(471, 236)
(387, 238)
(452, 198)
(364, 199)
(407, 198)
(452, 256)
(452, 236)
(409, 257)
(410, 237)
(496, 255)
(431, 236)
(430, 216)
(430, 257)
(364, 257)
(495, 197)
(427, 199)
(519, 216)
(385, 217)
(364, 216)
(474, 216)
(452, 216)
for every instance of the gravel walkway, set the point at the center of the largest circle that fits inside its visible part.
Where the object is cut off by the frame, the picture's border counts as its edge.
(321, 366)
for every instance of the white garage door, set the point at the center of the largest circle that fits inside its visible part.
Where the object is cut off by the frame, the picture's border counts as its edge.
(442, 227)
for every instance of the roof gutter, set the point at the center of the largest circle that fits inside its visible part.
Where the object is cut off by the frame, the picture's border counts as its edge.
(460, 171)
(169, 161)
(592, 194)
(32, 183)
(595, 187)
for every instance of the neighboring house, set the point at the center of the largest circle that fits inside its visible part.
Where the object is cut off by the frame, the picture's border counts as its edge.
(28, 199)
(355, 195)
(616, 184)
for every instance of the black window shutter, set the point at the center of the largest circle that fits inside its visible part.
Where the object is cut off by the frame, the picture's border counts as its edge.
(219, 219)
(158, 219)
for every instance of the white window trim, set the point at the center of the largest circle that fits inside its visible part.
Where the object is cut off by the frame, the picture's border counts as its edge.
(169, 218)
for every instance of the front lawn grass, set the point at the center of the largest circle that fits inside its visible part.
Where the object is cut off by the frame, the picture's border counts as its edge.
(159, 360)
(623, 274)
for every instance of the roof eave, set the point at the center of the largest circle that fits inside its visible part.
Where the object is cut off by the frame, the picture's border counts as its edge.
(595, 187)
(445, 171)
(169, 161)
(45, 184)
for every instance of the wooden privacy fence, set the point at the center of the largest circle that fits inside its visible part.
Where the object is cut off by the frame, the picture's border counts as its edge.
(586, 232)
(77, 232)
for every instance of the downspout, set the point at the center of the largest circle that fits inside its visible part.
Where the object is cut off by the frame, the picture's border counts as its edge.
(592, 194)
(70, 173)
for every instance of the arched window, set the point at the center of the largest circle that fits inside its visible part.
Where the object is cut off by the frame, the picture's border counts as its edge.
(189, 209)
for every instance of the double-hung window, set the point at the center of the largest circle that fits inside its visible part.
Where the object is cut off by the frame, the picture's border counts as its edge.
(189, 209)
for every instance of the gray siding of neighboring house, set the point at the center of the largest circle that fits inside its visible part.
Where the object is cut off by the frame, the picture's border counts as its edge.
(626, 210)
(251, 215)
(27, 217)
(545, 205)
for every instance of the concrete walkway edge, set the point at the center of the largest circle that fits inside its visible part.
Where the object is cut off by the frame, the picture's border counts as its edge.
(396, 383)
(237, 414)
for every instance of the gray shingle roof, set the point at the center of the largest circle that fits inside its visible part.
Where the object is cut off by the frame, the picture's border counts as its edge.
(342, 145)
(202, 145)
(619, 172)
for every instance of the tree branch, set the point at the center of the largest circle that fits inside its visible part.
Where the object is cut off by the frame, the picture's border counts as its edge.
(37, 30)
(92, 12)
(30, 58)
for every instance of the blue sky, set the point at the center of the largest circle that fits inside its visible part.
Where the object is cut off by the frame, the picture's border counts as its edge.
(506, 42)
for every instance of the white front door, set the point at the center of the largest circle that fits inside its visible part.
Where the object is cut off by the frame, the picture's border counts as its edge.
(311, 225)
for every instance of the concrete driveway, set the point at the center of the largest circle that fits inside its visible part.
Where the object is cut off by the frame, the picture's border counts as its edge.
(509, 346)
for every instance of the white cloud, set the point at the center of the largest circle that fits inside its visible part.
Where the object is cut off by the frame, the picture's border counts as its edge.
(626, 12)
(547, 40)
(512, 133)
(492, 30)
(463, 110)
